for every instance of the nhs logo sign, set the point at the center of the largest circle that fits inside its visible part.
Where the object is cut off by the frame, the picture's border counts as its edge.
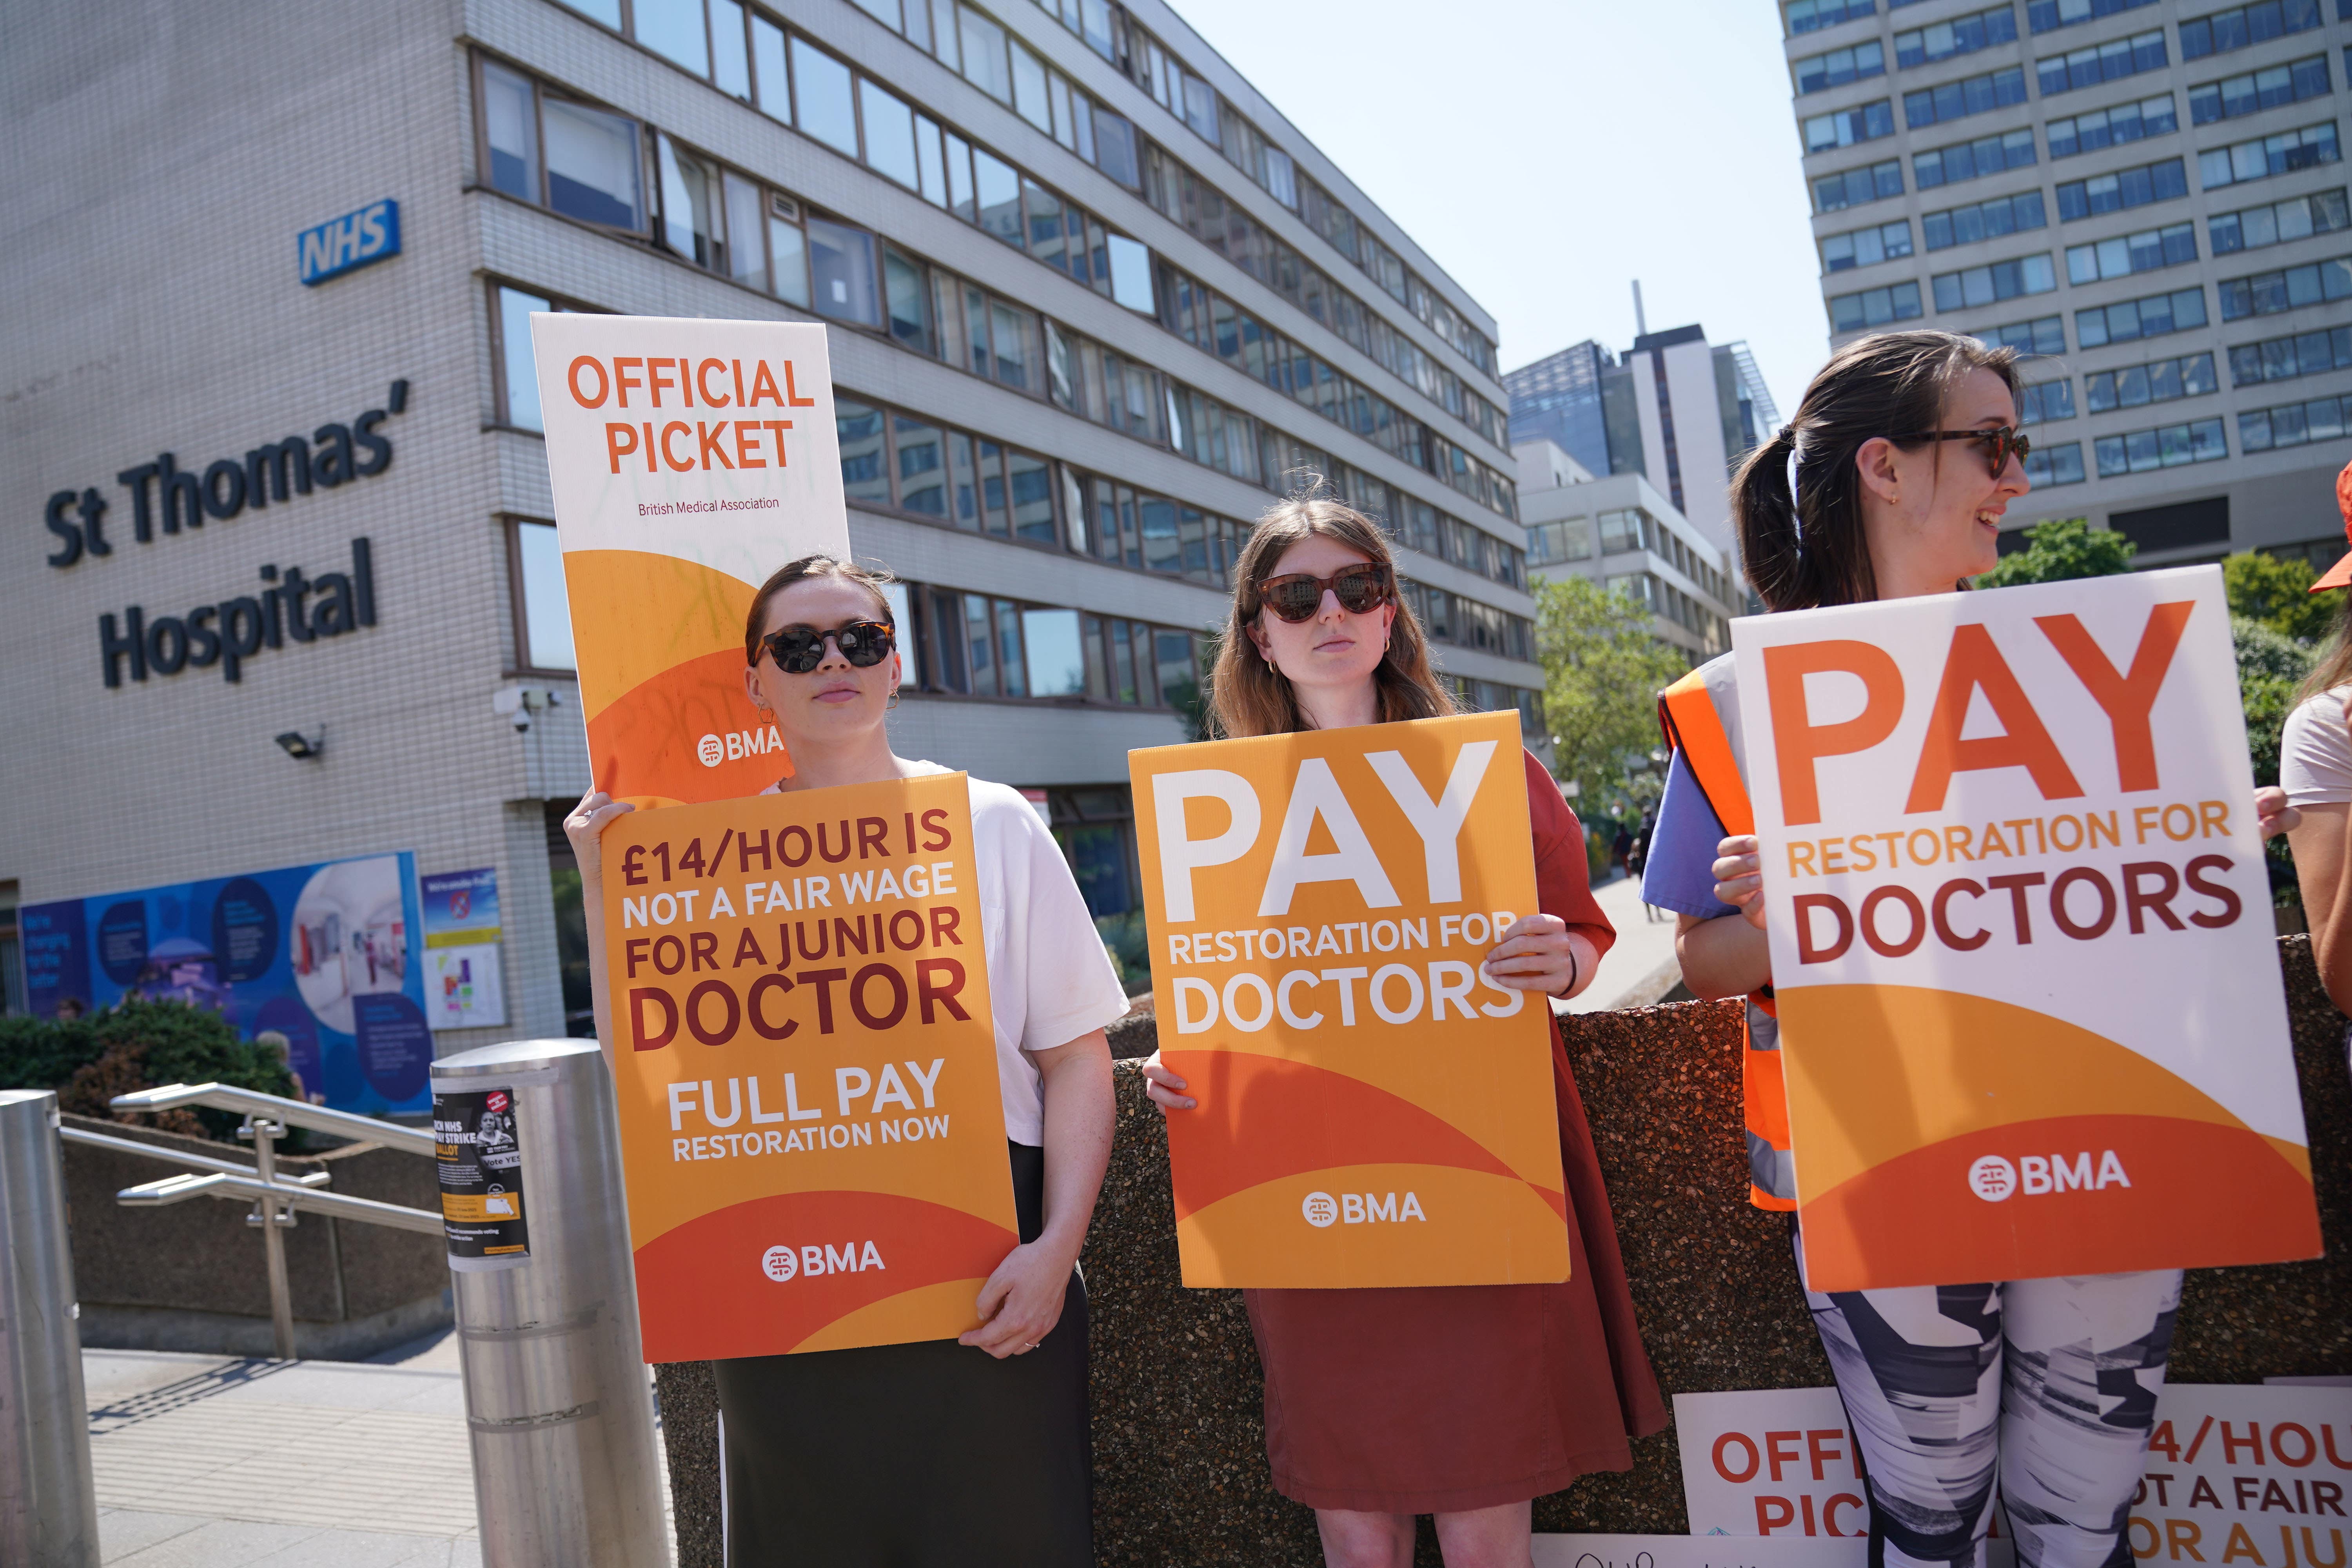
(352, 241)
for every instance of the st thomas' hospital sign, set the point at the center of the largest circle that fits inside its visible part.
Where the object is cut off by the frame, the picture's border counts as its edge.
(290, 606)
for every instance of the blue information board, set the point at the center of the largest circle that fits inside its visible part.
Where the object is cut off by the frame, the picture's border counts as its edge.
(328, 955)
(343, 243)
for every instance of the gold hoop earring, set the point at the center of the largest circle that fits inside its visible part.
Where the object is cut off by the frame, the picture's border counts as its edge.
(893, 704)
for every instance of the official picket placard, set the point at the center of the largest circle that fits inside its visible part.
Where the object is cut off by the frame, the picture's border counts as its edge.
(2030, 1017)
(689, 459)
(811, 1128)
(1373, 1111)
(478, 1157)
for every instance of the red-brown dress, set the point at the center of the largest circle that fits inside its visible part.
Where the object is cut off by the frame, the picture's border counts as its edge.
(1448, 1398)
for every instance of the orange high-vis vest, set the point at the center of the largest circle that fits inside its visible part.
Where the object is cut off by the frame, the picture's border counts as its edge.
(1700, 714)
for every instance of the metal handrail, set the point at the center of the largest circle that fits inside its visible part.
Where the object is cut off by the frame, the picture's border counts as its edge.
(276, 1108)
(237, 1188)
(183, 1157)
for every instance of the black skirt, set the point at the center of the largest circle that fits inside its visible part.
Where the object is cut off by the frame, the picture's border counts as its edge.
(910, 1455)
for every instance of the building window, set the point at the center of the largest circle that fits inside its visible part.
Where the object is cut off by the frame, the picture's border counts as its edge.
(2170, 447)
(1959, 99)
(2298, 218)
(2058, 464)
(590, 169)
(1994, 282)
(2102, 128)
(2048, 15)
(1811, 16)
(1840, 68)
(1863, 123)
(1983, 220)
(515, 382)
(2257, 91)
(1857, 187)
(2044, 401)
(2259, 160)
(1973, 160)
(2292, 425)
(2243, 25)
(2288, 289)
(1866, 246)
(542, 613)
(1960, 35)
(1874, 307)
(2122, 190)
(2150, 251)
(2285, 359)
(2037, 337)
(2131, 319)
(841, 270)
(1569, 539)
(2095, 63)
(2161, 381)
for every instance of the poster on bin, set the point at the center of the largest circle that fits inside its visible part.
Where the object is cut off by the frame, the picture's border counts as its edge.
(324, 956)
(811, 1129)
(463, 980)
(689, 459)
(2031, 1016)
(1372, 1111)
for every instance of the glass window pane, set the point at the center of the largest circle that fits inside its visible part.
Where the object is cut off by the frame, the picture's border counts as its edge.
(961, 200)
(963, 480)
(943, 32)
(1057, 662)
(674, 28)
(730, 64)
(918, 24)
(1180, 685)
(605, 11)
(788, 254)
(1031, 480)
(841, 261)
(768, 56)
(922, 467)
(1000, 196)
(909, 298)
(1093, 633)
(1122, 662)
(1030, 100)
(889, 134)
(1065, 129)
(883, 11)
(521, 372)
(688, 199)
(1164, 548)
(930, 167)
(983, 55)
(1011, 328)
(1045, 226)
(546, 609)
(1130, 275)
(821, 89)
(863, 476)
(991, 489)
(1115, 149)
(591, 166)
(980, 645)
(1012, 670)
(746, 257)
(510, 126)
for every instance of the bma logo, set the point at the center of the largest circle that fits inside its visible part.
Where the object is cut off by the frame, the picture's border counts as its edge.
(1995, 1180)
(1322, 1211)
(782, 1263)
(345, 244)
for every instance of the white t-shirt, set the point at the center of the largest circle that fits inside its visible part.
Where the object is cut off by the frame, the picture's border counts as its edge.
(1049, 980)
(2316, 752)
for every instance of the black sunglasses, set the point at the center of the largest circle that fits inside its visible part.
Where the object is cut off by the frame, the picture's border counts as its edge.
(799, 649)
(1296, 596)
(2000, 443)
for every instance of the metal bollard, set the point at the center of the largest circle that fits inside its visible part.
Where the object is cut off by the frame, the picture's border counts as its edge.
(48, 1509)
(566, 1473)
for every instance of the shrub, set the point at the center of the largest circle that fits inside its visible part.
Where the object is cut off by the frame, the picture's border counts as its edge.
(138, 1045)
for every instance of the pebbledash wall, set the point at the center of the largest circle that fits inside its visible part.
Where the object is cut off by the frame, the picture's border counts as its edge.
(1087, 357)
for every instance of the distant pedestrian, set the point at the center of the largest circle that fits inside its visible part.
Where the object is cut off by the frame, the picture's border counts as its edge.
(1620, 850)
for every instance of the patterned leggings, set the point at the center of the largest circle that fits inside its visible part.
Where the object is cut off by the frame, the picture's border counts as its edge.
(2054, 1381)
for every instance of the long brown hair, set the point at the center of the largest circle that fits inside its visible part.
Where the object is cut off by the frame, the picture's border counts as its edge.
(1247, 696)
(1810, 553)
(870, 578)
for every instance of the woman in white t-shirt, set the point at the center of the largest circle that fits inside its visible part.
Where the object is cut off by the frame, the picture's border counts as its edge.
(972, 1451)
(2315, 771)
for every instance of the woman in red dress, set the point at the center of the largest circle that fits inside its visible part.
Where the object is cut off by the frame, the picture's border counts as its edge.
(1465, 1402)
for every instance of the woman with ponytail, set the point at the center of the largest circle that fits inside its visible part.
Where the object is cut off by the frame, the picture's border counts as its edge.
(1465, 1402)
(1891, 483)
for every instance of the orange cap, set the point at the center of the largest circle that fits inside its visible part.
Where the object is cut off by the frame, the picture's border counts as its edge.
(2340, 575)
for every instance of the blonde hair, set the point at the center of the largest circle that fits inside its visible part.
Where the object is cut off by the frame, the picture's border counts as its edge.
(1247, 696)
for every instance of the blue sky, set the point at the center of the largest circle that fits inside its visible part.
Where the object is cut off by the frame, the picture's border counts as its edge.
(1548, 152)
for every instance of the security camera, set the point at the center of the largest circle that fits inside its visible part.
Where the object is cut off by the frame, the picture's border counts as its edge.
(517, 703)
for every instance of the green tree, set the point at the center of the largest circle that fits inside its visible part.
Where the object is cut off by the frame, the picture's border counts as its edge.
(2060, 551)
(2277, 593)
(1603, 670)
(2270, 666)
(137, 1045)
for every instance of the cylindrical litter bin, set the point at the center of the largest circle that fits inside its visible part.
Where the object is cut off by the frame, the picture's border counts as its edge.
(566, 1473)
(48, 1511)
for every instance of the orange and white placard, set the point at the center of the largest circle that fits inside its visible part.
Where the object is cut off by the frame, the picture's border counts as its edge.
(811, 1130)
(1371, 1111)
(689, 459)
(2030, 1006)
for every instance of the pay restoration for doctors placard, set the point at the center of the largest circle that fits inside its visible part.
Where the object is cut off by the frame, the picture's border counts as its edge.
(811, 1129)
(690, 459)
(1373, 1110)
(2020, 935)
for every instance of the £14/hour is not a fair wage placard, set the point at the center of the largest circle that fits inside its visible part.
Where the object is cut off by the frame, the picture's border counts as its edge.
(811, 1128)
(2029, 1009)
(1372, 1111)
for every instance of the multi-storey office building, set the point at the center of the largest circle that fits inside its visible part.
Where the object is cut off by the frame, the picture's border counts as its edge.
(1093, 305)
(2147, 198)
(1675, 409)
(1622, 533)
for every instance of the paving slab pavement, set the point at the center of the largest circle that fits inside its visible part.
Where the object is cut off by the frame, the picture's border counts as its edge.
(1640, 967)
